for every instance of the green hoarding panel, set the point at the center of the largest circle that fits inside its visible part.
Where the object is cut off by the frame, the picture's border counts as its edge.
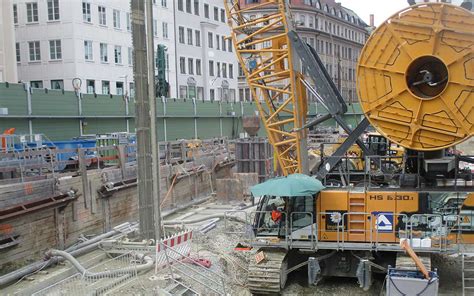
(57, 129)
(179, 128)
(207, 109)
(230, 127)
(104, 126)
(208, 128)
(131, 125)
(14, 98)
(20, 125)
(54, 102)
(249, 109)
(103, 105)
(179, 108)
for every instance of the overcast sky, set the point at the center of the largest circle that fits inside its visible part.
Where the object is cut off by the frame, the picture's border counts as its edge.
(382, 9)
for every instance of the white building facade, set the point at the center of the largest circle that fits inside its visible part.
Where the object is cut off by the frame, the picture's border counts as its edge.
(206, 62)
(59, 40)
(335, 32)
(8, 67)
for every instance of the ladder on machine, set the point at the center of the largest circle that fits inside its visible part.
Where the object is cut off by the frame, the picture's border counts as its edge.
(467, 274)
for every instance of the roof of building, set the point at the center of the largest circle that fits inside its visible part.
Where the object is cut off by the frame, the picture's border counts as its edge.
(334, 8)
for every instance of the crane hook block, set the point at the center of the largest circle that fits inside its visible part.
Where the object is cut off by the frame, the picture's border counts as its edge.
(415, 77)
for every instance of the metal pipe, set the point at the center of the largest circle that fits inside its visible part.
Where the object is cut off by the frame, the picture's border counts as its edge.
(75, 250)
(149, 263)
(192, 221)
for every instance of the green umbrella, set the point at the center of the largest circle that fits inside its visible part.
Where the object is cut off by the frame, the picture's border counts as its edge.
(292, 185)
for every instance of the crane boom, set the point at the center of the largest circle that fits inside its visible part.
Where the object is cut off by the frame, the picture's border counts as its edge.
(267, 60)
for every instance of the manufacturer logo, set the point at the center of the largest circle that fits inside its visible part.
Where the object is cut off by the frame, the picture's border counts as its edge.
(384, 221)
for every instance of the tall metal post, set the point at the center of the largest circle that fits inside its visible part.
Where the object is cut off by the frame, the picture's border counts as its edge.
(142, 121)
(155, 155)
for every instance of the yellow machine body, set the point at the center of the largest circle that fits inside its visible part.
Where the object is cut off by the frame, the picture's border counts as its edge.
(359, 211)
(415, 77)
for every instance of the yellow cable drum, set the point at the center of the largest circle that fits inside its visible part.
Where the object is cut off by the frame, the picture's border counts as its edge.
(415, 77)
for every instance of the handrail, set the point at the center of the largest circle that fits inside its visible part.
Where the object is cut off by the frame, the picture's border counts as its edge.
(213, 280)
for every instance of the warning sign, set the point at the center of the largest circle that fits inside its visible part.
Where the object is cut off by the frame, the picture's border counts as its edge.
(384, 221)
(466, 219)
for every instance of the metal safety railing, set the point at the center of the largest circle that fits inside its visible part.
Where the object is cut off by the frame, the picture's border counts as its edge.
(79, 284)
(203, 276)
(229, 215)
(377, 230)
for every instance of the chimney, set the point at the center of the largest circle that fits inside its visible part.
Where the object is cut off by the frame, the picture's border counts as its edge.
(372, 20)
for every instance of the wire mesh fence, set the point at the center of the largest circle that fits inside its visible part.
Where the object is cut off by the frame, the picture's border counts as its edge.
(96, 282)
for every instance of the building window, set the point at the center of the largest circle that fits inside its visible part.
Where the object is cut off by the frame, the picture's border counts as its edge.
(129, 22)
(165, 30)
(231, 71)
(180, 5)
(198, 67)
(188, 6)
(105, 87)
(90, 86)
(88, 50)
(183, 92)
(155, 28)
(222, 15)
(55, 52)
(35, 52)
(104, 56)
(86, 12)
(196, 7)
(206, 11)
(181, 35)
(191, 66)
(182, 65)
(18, 52)
(200, 93)
(57, 84)
(218, 69)
(198, 38)
(118, 54)
(212, 94)
(209, 40)
(15, 14)
(32, 12)
(130, 56)
(190, 36)
(229, 46)
(224, 70)
(218, 42)
(53, 10)
(211, 68)
(132, 89)
(216, 14)
(36, 84)
(223, 43)
(116, 19)
(302, 20)
(119, 87)
(164, 3)
(102, 16)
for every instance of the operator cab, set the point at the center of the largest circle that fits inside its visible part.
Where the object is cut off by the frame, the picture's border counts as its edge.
(280, 215)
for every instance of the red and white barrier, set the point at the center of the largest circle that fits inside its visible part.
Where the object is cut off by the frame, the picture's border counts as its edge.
(180, 243)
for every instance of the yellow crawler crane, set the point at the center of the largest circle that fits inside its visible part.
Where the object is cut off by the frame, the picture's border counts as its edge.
(415, 84)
